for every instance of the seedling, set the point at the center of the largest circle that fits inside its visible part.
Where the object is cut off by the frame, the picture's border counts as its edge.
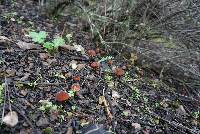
(50, 46)
(38, 37)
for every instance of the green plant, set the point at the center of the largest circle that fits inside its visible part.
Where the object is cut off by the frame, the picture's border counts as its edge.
(50, 46)
(196, 114)
(71, 93)
(38, 37)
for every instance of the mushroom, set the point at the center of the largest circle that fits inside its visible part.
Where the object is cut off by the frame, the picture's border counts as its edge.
(62, 96)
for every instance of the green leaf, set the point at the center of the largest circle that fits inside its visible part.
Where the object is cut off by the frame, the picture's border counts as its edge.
(48, 45)
(58, 42)
(38, 37)
(71, 93)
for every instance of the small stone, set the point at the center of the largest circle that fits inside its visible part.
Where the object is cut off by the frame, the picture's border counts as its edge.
(42, 122)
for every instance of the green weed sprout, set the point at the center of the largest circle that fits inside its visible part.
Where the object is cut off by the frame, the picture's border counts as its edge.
(50, 46)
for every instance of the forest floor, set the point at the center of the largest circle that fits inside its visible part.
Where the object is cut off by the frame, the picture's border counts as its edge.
(112, 96)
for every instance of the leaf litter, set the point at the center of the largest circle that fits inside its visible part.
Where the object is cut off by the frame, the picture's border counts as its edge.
(136, 109)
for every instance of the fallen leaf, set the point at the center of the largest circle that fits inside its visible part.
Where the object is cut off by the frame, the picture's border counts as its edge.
(25, 45)
(11, 119)
(62, 96)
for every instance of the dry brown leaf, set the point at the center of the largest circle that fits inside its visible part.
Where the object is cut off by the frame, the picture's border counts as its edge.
(11, 119)
(25, 45)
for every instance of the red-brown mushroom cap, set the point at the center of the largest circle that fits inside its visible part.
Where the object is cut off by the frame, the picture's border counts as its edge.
(91, 53)
(76, 78)
(75, 87)
(94, 65)
(119, 72)
(62, 96)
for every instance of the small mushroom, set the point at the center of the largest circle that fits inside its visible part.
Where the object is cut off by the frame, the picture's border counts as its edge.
(62, 96)
(91, 53)
(76, 78)
(119, 72)
(75, 87)
(94, 65)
